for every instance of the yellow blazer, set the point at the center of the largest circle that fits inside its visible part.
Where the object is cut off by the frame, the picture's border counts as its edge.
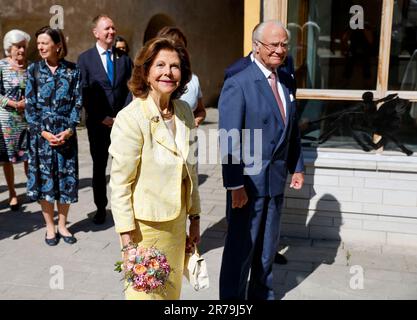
(147, 167)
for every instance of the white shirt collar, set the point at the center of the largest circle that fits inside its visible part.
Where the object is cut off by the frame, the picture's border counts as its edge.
(100, 49)
(264, 70)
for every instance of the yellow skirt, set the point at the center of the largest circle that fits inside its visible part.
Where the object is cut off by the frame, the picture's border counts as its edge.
(169, 237)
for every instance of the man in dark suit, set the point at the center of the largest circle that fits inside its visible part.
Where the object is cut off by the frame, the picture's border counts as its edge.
(288, 67)
(257, 104)
(105, 73)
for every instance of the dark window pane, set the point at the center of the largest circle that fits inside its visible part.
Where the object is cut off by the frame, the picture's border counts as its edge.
(328, 53)
(403, 60)
(357, 125)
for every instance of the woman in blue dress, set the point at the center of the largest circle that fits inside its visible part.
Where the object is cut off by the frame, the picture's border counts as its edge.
(53, 104)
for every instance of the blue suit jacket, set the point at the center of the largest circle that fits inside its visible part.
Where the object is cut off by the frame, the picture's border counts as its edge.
(247, 102)
(101, 99)
(243, 63)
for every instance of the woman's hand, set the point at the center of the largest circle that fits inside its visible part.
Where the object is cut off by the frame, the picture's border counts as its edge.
(20, 106)
(198, 121)
(194, 232)
(126, 241)
(64, 135)
(199, 113)
(52, 139)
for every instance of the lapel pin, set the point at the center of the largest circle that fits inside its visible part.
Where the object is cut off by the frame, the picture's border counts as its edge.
(155, 119)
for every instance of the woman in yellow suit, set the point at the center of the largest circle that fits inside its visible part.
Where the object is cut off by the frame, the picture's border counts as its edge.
(153, 175)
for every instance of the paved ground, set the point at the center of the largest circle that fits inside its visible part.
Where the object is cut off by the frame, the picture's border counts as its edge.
(317, 269)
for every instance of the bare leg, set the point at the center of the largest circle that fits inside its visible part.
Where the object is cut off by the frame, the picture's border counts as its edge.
(48, 215)
(63, 210)
(9, 174)
(26, 167)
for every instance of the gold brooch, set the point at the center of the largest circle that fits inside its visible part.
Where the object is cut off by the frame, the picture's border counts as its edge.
(155, 119)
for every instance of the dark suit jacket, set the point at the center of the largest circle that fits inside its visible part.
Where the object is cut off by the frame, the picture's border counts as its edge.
(243, 63)
(101, 99)
(247, 102)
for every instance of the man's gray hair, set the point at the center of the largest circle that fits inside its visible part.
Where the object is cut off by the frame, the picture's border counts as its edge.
(13, 37)
(257, 32)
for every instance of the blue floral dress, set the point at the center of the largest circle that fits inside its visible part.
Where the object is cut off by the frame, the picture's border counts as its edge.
(53, 104)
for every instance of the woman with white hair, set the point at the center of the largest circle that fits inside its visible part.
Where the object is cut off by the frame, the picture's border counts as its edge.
(12, 106)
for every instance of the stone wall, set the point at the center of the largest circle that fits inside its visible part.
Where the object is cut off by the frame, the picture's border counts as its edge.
(214, 28)
(355, 197)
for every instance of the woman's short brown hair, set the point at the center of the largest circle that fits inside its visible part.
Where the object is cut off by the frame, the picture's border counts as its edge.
(173, 33)
(57, 37)
(139, 84)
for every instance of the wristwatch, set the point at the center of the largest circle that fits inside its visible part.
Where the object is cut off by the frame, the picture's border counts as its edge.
(71, 132)
(194, 217)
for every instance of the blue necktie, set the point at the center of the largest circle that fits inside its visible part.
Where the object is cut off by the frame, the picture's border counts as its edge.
(109, 66)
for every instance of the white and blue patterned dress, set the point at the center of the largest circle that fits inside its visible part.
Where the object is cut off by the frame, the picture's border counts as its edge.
(53, 104)
(12, 122)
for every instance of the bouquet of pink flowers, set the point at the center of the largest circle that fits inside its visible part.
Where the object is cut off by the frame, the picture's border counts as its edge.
(146, 269)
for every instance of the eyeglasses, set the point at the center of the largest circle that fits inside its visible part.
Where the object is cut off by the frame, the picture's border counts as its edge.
(274, 46)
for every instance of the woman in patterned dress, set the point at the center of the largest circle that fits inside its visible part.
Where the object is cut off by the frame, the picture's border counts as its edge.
(53, 104)
(12, 105)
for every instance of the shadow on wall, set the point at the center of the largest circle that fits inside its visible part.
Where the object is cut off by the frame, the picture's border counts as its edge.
(156, 23)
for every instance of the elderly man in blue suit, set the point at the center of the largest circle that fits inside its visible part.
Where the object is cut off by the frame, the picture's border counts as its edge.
(241, 64)
(260, 145)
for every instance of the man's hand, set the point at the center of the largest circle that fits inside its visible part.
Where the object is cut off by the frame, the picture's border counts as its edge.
(297, 181)
(108, 121)
(239, 198)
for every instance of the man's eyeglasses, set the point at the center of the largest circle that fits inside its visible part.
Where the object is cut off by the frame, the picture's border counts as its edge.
(274, 46)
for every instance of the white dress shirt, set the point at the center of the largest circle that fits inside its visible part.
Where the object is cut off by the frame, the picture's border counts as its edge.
(267, 73)
(103, 55)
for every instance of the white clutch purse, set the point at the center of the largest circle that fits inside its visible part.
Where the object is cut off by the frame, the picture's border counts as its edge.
(195, 270)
